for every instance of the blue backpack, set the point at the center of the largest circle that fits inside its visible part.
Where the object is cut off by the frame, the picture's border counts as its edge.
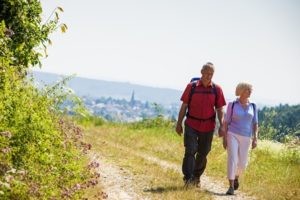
(192, 92)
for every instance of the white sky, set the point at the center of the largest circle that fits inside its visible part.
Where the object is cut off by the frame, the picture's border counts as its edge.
(163, 43)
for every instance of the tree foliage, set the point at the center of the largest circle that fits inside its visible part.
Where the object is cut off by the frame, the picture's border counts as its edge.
(41, 152)
(28, 36)
(278, 123)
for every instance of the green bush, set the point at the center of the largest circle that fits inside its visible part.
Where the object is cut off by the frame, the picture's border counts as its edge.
(42, 155)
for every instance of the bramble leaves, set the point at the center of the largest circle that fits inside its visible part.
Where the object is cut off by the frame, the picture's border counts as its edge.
(42, 155)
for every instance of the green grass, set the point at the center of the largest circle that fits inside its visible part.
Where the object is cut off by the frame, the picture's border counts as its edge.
(273, 173)
(120, 144)
(280, 173)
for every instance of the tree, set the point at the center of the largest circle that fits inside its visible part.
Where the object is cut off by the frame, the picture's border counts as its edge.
(278, 122)
(26, 36)
(42, 156)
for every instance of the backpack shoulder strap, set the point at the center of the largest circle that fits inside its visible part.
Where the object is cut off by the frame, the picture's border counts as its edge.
(214, 88)
(190, 96)
(254, 106)
(232, 106)
(192, 92)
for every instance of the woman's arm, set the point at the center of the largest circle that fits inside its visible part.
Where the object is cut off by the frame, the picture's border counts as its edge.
(254, 135)
(225, 130)
(220, 114)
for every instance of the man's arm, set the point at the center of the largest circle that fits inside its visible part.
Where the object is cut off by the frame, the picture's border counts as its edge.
(225, 130)
(220, 114)
(181, 115)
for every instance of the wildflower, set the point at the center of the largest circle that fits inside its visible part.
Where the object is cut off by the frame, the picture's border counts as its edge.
(8, 32)
(13, 171)
(6, 134)
(6, 150)
(9, 178)
(7, 185)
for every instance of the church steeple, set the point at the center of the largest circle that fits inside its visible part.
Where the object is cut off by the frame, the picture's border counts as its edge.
(132, 100)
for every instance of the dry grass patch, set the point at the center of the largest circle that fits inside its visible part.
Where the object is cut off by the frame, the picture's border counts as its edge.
(273, 171)
(150, 178)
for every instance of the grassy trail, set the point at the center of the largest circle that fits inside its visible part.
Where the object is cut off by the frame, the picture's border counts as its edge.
(143, 166)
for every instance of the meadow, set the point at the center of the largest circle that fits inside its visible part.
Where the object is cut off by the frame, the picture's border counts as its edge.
(273, 171)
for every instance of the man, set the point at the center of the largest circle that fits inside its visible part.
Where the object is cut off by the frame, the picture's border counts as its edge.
(201, 101)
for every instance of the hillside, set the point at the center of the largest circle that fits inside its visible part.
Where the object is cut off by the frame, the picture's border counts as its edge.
(120, 90)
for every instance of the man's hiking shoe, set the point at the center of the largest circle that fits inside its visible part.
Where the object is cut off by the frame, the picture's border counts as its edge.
(188, 183)
(236, 184)
(192, 182)
(230, 191)
(197, 183)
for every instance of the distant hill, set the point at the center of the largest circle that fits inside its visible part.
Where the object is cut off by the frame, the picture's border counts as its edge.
(120, 90)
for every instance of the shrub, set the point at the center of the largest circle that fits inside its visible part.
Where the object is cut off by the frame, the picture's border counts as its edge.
(42, 152)
(157, 122)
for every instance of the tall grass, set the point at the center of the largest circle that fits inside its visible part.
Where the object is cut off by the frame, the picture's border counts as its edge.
(123, 144)
(273, 173)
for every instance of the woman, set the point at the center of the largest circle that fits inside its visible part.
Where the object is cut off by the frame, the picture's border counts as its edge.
(241, 131)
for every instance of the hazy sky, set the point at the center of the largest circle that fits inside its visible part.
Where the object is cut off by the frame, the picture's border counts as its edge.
(163, 43)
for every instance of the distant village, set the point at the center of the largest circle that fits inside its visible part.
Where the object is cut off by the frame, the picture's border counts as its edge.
(132, 110)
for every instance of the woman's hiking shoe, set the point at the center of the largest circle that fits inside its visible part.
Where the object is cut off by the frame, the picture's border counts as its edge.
(236, 184)
(230, 191)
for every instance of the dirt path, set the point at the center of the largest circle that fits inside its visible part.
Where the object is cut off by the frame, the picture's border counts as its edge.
(216, 188)
(118, 183)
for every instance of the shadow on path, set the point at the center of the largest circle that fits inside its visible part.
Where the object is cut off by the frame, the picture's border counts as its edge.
(160, 190)
(218, 193)
(164, 189)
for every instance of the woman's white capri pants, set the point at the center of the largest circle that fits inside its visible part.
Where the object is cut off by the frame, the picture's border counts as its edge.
(237, 151)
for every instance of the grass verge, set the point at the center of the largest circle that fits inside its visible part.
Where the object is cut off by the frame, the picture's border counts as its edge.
(151, 180)
(271, 174)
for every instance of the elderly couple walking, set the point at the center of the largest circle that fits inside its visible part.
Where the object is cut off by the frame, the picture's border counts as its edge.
(203, 100)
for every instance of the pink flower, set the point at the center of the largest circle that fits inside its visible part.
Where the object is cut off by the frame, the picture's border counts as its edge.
(6, 134)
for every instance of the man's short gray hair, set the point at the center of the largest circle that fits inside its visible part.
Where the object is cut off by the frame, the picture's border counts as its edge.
(208, 65)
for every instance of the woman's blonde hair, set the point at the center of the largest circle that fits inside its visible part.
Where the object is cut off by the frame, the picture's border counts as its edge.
(241, 87)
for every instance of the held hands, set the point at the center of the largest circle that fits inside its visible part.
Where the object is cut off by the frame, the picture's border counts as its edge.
(221, 131)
